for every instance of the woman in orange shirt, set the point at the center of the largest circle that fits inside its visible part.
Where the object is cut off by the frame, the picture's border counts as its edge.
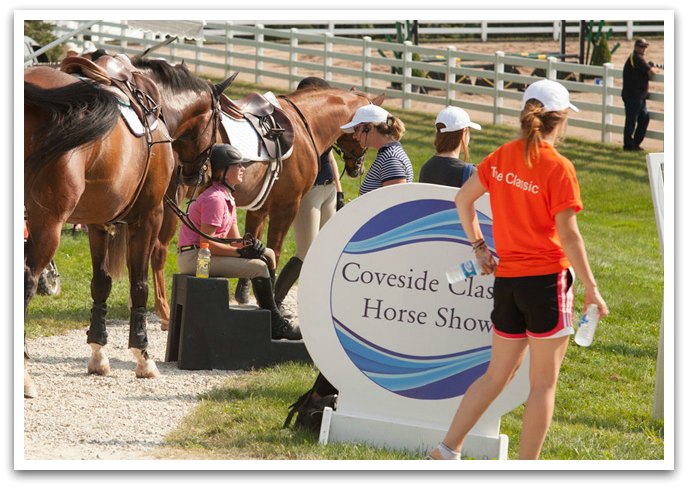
(534, 196)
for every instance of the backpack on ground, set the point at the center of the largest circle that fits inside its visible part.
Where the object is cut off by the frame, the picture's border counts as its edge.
(307, 411)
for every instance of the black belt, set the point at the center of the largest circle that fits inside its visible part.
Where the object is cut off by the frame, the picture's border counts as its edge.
(187, 248)
(326, 182)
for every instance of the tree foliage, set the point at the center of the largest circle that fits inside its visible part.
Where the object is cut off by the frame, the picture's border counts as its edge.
(601, 53)
(42, 32)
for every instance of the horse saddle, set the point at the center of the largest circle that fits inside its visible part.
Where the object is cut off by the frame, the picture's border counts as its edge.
(267, 118)
(117, 74)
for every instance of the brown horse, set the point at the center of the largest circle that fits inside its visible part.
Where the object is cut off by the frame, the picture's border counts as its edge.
(317, 115)
(84, 166)
(324, 111)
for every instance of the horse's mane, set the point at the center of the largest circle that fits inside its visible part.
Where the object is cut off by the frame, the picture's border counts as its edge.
(177, 77)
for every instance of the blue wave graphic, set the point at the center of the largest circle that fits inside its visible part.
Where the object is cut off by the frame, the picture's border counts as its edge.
(420, 377)
(431, 221)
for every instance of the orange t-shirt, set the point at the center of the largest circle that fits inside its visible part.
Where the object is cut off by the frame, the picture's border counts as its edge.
(524, 202)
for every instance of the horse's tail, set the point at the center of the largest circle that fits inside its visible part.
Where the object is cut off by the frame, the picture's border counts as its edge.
(78, 114)
(118, 238)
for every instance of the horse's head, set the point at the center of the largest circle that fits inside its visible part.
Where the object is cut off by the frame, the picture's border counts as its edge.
(191, 110)
(195, 140)
(352, 153)
(349, 149)
(196, 136)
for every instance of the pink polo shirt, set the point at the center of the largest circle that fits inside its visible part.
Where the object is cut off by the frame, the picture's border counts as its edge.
(215, 206)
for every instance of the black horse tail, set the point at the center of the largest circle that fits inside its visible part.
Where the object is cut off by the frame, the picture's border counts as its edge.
(78, 114)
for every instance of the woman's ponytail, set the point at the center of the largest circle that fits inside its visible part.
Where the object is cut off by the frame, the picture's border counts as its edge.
(535, 125)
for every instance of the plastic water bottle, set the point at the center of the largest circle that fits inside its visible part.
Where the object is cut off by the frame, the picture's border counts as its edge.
(587, 326)
(203, 261)
(462, 272)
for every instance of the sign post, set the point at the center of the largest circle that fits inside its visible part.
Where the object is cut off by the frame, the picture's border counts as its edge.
(655, 169)
(384, 326)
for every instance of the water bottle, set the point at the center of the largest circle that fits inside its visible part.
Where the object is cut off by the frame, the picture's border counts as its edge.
(587, 326)
(203, 261)
(462, 272)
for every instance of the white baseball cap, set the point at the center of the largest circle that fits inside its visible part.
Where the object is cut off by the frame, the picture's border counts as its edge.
(367, 114)
(455, 119)
(89, 47)
(551, 94)
(71, 47)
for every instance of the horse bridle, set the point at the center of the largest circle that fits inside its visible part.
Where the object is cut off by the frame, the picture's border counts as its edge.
(358, 160)
(203, 158)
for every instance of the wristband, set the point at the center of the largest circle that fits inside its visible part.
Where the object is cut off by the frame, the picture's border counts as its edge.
(478, 244)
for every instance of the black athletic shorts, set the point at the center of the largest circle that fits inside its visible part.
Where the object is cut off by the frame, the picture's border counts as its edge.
(534, 306)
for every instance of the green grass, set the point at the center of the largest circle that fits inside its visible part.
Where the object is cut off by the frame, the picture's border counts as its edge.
(605, 394)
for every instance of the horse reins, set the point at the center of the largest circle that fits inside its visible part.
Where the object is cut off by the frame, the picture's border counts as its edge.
(305, 124)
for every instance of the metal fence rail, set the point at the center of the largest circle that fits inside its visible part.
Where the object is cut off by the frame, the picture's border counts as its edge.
(404, 71)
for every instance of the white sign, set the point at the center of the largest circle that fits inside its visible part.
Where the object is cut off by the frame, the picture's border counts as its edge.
(384, 326)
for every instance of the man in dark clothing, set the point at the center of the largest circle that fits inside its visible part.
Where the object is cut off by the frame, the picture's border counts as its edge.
(636, 80)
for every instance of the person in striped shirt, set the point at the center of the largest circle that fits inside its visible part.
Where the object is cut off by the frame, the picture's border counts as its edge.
(374, 127)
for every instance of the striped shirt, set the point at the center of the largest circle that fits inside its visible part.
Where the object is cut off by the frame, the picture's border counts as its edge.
(391, 163)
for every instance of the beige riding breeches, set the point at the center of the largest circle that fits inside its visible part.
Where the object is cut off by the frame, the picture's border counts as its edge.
(227, 266)
(317, 207)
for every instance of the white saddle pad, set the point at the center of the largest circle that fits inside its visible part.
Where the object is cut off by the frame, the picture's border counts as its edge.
(244, 137)
(133, 121)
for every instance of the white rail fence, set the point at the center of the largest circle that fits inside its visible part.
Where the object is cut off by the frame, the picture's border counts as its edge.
(484, 29)
(487, 83)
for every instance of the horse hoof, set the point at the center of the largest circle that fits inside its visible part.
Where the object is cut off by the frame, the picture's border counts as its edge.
(30, 390)
(164, 324)
(147, 370)
(99, 367)
(145, 366)
(99, 364)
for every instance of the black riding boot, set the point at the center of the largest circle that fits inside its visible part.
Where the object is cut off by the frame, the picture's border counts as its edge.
(281, 327)
(286, 279)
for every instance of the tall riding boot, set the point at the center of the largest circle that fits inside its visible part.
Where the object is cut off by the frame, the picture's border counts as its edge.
(281, 327)
(286, 279)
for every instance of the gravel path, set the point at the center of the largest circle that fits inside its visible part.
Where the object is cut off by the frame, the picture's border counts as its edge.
(78, 416)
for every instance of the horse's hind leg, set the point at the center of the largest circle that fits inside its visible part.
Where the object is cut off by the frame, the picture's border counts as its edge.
(101, 285)
(43, 229)
(158, 260)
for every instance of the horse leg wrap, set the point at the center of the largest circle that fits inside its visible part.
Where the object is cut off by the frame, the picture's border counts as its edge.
(96, 332)
(137, 329)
